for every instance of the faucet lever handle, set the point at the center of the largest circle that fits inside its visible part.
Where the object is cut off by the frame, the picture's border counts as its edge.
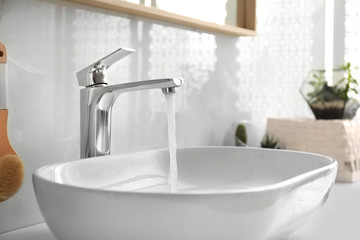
(95, 73)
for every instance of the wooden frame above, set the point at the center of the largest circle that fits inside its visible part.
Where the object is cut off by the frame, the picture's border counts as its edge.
(246, 16)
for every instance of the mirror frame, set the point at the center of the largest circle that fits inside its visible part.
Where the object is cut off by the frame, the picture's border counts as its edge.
(246, 16)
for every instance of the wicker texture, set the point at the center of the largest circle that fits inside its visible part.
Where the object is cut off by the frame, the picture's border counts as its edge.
(339, 139)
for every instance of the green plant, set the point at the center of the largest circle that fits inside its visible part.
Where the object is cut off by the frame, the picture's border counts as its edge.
(270, 141)
(346, 85)
(318, 82)
(336, 100)
(240, 135)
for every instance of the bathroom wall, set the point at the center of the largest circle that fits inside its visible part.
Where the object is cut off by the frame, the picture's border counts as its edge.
(351, 32)
(227, 79)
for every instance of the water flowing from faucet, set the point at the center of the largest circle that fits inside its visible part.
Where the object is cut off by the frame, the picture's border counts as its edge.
(170, 107)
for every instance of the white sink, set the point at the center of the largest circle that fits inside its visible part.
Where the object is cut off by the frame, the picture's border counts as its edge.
(224, 193)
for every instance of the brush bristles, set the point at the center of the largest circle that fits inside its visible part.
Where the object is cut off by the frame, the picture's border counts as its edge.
(11, 175)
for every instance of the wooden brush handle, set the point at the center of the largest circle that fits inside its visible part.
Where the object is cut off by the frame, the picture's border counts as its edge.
(5, 147)
(3, 77)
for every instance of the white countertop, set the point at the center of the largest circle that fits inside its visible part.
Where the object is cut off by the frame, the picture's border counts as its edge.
(338, 220)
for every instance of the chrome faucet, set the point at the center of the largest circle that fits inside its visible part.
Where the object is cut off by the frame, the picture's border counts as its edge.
(97, 99)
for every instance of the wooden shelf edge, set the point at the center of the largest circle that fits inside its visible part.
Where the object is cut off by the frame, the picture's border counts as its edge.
(157, 14)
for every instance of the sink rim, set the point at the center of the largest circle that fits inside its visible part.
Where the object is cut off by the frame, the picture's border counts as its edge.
(296, 180)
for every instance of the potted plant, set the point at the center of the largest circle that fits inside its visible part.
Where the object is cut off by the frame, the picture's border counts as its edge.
(270, 141)
(240, 135)
(336, 101)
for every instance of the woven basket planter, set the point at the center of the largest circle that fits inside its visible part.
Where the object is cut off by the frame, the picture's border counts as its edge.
(339, 139)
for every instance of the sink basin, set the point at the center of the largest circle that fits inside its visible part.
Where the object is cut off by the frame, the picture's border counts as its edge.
(224, 193)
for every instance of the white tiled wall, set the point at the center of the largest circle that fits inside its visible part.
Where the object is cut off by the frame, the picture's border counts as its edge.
(352, 34)
(228, 79)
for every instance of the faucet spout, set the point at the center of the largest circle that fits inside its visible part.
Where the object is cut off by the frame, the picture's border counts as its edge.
(96, 105)
(169, 90)
(143, 85)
